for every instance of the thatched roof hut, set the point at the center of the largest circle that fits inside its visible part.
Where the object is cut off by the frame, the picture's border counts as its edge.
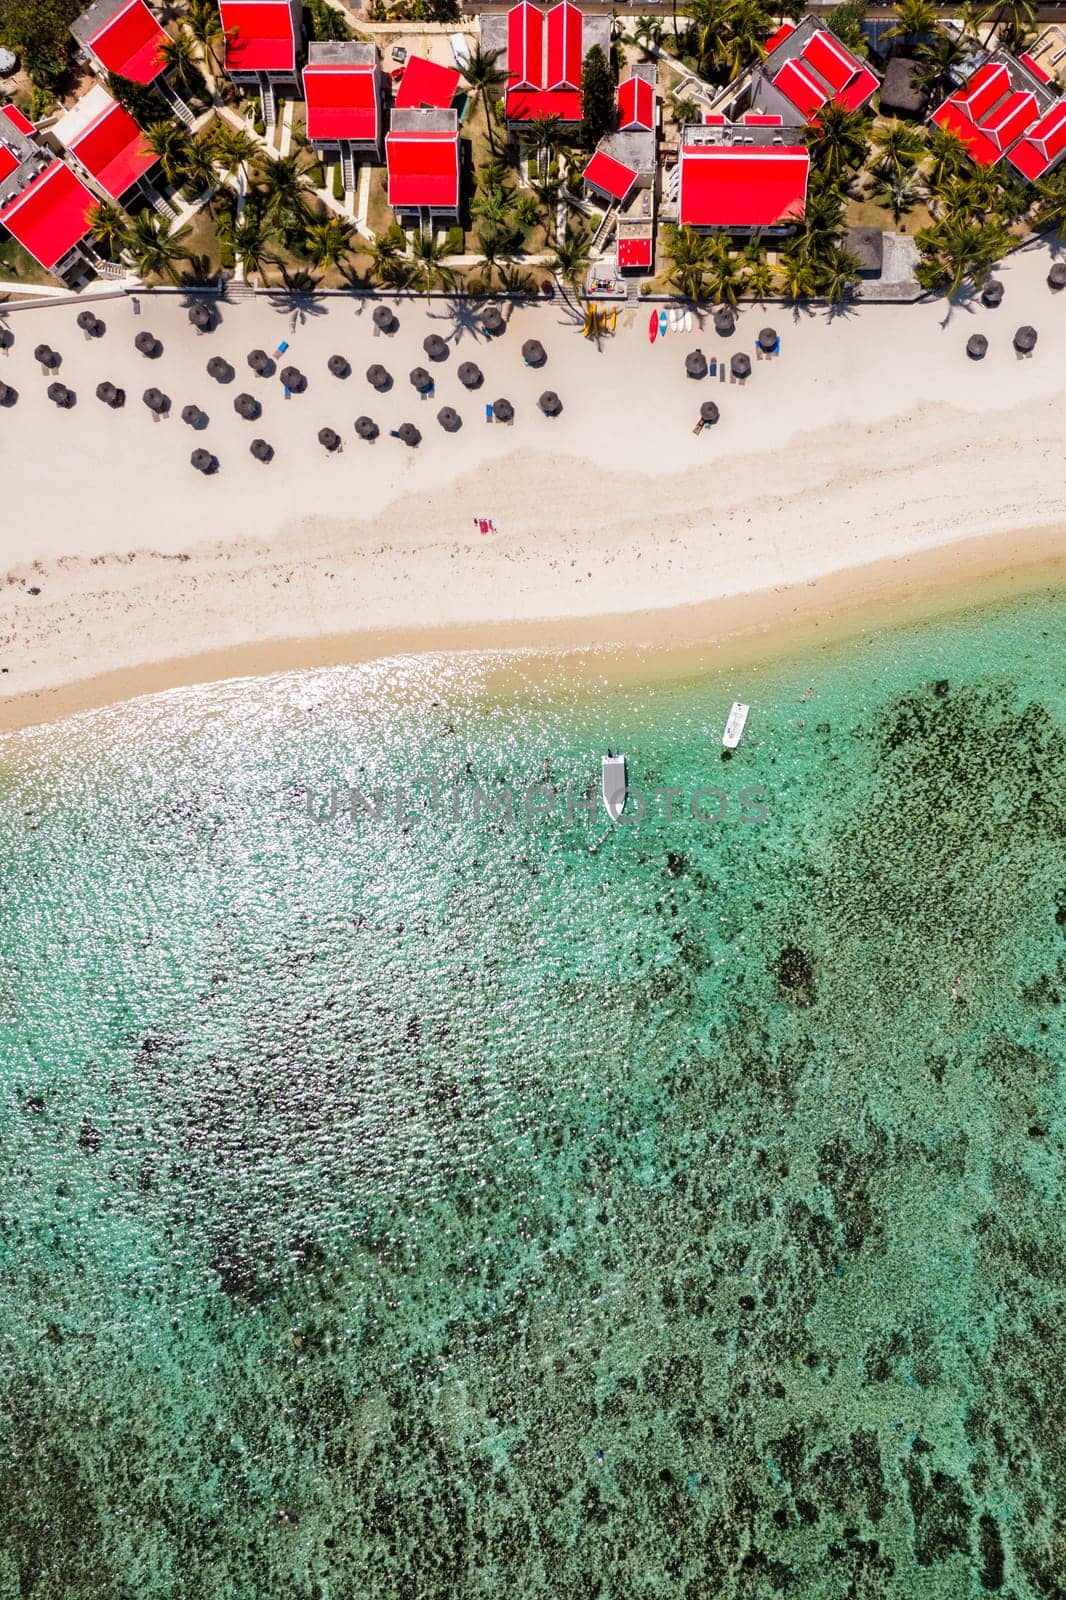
(977, 347)
(696, 364)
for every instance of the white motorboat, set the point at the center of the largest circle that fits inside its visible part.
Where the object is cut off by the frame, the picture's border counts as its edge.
(614, 785)
(734, 728)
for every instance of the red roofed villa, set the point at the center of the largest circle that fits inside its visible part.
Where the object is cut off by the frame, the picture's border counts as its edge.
(262, 40)
(426, 84)
(1043, 146)
(743, 186)
(105, 142)
(50, 218)
(343, 90)
(636, 105)
(122, 37)
(422, 161)
(994, 108)
(543, 53)
(805, 68)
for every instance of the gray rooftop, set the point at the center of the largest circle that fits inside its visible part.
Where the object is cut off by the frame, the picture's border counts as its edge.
(91, 21)
(29, 155)
(341, 53)
(424, 119)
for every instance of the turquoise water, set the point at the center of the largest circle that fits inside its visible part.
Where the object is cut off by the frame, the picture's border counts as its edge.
(482, 1207)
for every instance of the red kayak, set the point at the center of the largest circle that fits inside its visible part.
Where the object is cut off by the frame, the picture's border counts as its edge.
(653, 327)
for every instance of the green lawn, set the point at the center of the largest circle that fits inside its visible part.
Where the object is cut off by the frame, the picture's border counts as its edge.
(17, 265)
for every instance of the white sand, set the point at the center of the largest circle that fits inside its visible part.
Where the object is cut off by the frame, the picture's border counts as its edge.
(871, 437)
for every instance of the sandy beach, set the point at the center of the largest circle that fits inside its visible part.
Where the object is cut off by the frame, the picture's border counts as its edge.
(869, 465)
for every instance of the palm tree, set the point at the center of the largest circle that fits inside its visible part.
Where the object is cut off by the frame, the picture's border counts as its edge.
(938, 59)
(760, 280)
(431, 270)
(1051, 202)
(725, 276)
(837, 140)
(541, 134)
(569, 261)
(494, 247)
(689, 255)
(155, 246)
(948, 158)
(798, 276)
(494, 206)
(957, 250)
(328, 243)
(915, 19)
(899, 194)
(839, 273)
(282, 183)
(648, 34)
(169, 143)
(484, 79)
(899, 149)
(178, 55)
(109, 224)
(249, 239)
(231, 147)
(198, 175)
(388, 264)
(203, 22)
(327, 23)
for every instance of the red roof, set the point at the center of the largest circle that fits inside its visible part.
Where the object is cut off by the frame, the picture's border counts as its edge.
(259, 35)
(784, 32)
(564, 47)
(986, 114)
(342, 102)
(762, 119)
(424, 83)
(740, 186)
(823, 70)
(611, 176)
(525, 104)
(636, 104)
(525, 46)
(129, 44)
(112, 151)
(16, 118)
(635, 252)
(8, 162)
(1034, 67)
(50, 216)
(423, 171)
(1043, 145)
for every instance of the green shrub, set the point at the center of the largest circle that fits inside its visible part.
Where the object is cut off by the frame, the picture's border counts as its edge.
(226, 259)
(338, 182)
(315, 176)
(455, 242)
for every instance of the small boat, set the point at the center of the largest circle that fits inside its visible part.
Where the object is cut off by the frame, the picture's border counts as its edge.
(653, 327)
(688, 321)
(614, 785)
(734, 728)
(662, 323)
(614, 318)
(588, 323)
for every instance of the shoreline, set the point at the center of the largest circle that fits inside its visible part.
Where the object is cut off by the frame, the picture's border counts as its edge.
(676, 641)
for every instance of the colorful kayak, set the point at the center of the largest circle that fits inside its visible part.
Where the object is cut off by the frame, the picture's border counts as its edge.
(662, 324)
(653, 326)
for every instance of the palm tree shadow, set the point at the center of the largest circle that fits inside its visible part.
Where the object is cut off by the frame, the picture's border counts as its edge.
(840, 310)
(296, 297)
(964, 300)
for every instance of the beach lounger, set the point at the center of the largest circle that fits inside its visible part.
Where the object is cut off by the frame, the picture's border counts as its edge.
(488, 412)
(282, 347)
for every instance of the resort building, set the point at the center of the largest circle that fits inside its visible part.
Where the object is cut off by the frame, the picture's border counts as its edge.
(46, 207)
(1043, 146)
(995, 107)
(122, 37)
(105, 143)
(623, 170)
(262, 43)
(343, 88)
(1046, 56)
(17, 119)
(805, 67)
(543, 53)
(421, 84)
(742, 178)
(422, 164)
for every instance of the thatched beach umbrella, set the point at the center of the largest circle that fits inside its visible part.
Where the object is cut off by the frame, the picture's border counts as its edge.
(339, 367)
(87, 323)
(7, 338)
(8, 395)
(248, 407)
(366, 428)
(420, 379)
(60, 395)
(725, 323)
(470, 375)
(550, 403)
(260, 363)
(106, 392)
(148, 345)
(696, 364)
(977, 347)
(1056, 278)
(992, 293)
(46, 356)
(203, 461)
(449, 419)
(378, 378)
(435, 347)
(200, 317)
(768, 340)
(293, 379)
(328, 439)
(740, 365)
(193, 416)
(492, 320)
(533, 353)
(1025, 340)
(220, 370)
(261, 450)
(708, 413)
(503, 410)
(409, 434)
(156, 401)
(384, 319)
